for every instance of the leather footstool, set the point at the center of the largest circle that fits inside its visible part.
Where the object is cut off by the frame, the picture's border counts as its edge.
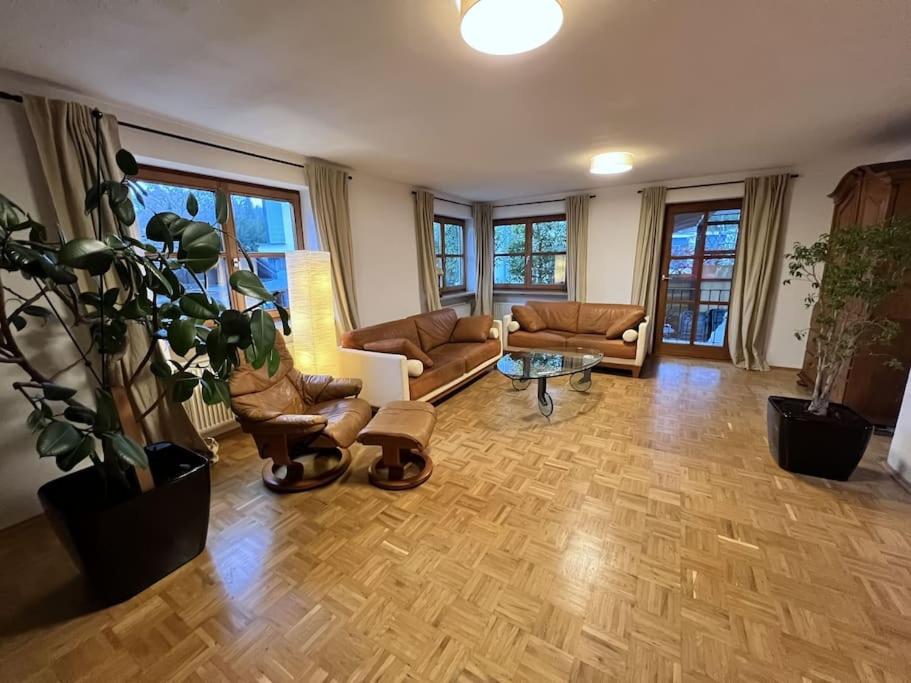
(403, 429)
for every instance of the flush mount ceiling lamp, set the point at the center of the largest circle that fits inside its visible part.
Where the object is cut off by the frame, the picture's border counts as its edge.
(508, 27)
(611, 162)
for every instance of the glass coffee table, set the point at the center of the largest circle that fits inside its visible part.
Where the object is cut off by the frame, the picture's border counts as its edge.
(523, 366)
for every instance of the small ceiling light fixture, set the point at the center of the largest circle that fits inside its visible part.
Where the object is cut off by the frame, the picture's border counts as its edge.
(611, 162)
(508, 27)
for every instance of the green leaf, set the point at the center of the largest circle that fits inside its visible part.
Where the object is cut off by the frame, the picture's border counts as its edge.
(274, 361)
(200, 247)
(87, 254)
(198, 305)
(124, 210)
(56, 392)
(181, 335)
(183, 386)
(158, 228)
(126, 162)
(37, 311)
(216, 348)
(158, 283)
(214, 390)
(285, 318)
(192, 204)
(18, 322)
(35, 420)
(111, 335)
(107, 419)
(58, 438)
(86, 448)
(76, 412)
(246, 283)
(128, 450)
(262, 329)
(92, 199)
(235, 328)
(159, 368)
(221, 207)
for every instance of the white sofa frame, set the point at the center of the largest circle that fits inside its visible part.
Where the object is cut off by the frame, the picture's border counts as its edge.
(385, 375)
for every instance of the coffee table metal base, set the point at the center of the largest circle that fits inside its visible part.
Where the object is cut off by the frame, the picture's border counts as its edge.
(580, 381)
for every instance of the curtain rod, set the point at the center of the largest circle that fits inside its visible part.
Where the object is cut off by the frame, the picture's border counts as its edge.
(502, 206)
(726, 182)
(184, 138)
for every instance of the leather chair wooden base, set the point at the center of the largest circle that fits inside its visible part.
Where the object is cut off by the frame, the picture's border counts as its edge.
(393, 464)
(306, 471)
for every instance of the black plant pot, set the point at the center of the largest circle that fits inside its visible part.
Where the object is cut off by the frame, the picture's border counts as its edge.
(125, 546)
(828, 446)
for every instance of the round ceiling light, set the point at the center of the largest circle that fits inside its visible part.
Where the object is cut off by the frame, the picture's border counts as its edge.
(508, 27)
(612, 162)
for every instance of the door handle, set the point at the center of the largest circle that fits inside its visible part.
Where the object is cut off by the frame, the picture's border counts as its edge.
(665, 277)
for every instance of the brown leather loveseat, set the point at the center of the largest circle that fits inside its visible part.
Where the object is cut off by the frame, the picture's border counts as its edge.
(422, 357)
(619, 331)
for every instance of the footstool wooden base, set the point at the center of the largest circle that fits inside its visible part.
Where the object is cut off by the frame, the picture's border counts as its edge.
(403, 429)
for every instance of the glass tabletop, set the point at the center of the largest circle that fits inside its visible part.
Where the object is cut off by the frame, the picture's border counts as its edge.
(537, 363)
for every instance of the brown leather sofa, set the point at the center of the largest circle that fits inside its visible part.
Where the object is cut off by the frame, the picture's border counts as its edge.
(449, 350)
(567, 324)
(291, 414)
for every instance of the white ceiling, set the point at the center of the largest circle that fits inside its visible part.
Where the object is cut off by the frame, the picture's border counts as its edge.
(692, 87)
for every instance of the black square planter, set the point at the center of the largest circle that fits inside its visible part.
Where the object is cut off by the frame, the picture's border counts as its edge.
(828, 446)
(124, 546)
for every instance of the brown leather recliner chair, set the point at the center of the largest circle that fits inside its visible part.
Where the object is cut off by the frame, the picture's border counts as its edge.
(291, 415)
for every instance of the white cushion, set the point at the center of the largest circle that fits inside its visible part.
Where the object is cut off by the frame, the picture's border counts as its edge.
(494, 333)
(513, 326)
(630, 336)
(415, 368)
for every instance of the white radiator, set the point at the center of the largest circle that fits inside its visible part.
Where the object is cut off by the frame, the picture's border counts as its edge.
(463, 309)
(208, 420)
(503, 308)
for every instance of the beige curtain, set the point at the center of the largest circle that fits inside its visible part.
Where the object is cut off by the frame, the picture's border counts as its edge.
(328, 186)
(429, 281)
(482, 217)
(648, 252)
(576, 246)
(64, 133)
(754, 269)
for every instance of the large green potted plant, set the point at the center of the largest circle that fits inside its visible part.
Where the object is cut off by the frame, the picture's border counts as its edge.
(141, 510)
(863, 267)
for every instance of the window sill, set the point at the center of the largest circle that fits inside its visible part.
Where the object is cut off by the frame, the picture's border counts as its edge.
(541, 293)
(458, 298)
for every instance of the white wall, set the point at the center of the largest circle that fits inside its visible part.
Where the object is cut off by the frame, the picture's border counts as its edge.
(899, 460)
(385, 255)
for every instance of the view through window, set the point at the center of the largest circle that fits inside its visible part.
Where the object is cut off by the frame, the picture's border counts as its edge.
(265, 220)
(530, 253)
(449, 248)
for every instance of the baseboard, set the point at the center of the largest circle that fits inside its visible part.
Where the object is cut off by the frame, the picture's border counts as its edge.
(897, 476)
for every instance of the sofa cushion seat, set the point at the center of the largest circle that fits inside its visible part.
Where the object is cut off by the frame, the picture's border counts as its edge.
(545, 339)
(472, 353)
(611, 348)
(443, 372)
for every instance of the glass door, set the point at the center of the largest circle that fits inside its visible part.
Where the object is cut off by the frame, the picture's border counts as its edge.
(697, 267)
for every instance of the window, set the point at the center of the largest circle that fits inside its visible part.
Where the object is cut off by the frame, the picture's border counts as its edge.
(449, 247)
(265, 220)
(530, 253)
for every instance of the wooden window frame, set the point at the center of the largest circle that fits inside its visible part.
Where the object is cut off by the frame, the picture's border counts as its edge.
(443, 255)
(231, 254)
(529, 222)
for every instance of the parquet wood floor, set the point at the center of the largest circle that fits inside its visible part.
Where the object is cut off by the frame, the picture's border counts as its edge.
(643, 533)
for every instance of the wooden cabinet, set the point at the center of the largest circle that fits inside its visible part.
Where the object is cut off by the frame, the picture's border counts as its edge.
(865, 196)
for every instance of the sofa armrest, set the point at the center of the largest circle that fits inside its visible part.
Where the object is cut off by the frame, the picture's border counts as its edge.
(504, 331)
(385, 375)
(642, 341)
(502, 334)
